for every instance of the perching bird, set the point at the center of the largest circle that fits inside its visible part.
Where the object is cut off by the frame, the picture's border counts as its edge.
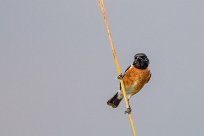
(135, 77)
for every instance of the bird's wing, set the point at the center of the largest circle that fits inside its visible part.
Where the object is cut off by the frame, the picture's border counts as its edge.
(124, 74)
(150, 75)
(126, 70)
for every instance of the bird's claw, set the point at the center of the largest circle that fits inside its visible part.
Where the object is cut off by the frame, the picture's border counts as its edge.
(128, 110)
(120, 76)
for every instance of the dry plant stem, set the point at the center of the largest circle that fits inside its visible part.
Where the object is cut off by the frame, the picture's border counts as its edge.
(117, 64)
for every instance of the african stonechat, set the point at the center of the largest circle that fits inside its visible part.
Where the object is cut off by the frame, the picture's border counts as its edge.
(135, 77)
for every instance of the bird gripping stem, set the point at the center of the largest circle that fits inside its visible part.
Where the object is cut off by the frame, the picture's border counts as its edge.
(116, 63)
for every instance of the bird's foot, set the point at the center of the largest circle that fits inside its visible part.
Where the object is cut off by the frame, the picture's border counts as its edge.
(120, 76)
(128, 110)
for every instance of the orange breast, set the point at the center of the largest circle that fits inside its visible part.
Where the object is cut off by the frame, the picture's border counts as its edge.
(134, 79)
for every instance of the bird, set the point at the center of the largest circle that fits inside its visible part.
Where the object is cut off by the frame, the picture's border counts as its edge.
(134, 78)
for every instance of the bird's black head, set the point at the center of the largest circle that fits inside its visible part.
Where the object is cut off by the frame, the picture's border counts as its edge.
(141, 61)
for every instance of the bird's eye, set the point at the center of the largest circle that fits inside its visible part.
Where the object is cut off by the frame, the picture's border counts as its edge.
(140, 58)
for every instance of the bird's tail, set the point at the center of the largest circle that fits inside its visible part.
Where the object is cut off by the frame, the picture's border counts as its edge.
(114, 101)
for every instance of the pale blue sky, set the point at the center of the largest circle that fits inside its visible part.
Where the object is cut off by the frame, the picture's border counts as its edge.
(57, 70)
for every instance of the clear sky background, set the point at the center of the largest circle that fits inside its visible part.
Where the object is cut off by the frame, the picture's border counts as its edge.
(57, 70)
